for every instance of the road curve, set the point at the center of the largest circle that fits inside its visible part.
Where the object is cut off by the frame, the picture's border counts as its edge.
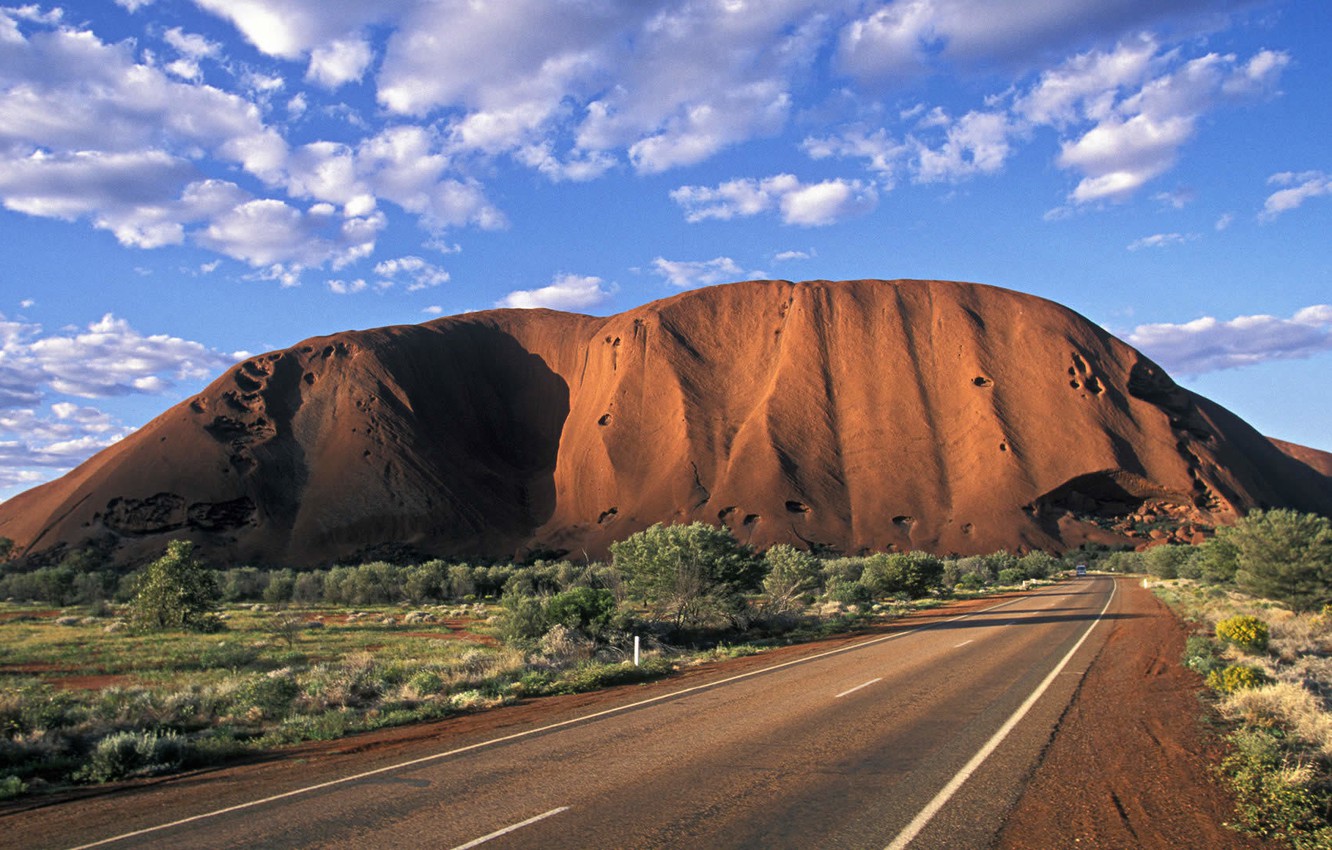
(837, 749)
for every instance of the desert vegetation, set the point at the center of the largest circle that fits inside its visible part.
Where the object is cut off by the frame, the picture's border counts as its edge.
(1258, 594)
(108, 676)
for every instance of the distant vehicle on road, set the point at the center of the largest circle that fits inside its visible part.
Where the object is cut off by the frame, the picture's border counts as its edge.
(1081, 569)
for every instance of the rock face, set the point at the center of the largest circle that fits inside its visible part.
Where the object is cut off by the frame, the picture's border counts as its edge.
(851, 415)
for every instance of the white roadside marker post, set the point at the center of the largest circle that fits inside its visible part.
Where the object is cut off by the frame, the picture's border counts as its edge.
(635, 650)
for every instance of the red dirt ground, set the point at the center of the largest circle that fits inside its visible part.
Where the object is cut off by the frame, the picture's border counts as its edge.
(1131, 764)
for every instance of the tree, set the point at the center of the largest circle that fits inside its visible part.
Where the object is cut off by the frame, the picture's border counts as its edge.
(175, 592)
(791, 575)
(687, 573)
(1284, 555)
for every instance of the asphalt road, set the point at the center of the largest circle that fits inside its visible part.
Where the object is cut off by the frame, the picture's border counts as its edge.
(837, 749)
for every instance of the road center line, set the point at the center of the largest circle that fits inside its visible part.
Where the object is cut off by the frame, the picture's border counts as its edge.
(858, 687)
(506, 830)
(963, 643)
(296, 792)
(932, 808)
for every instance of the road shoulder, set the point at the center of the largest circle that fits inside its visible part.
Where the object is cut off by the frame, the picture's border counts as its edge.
(1132, 761)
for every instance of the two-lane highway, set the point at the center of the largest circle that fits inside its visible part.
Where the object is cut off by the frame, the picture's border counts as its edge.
(921, 738)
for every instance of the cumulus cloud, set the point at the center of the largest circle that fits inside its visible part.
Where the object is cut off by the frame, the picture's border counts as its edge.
(1161, 240)
(565, 292)
(909, 38)
(788, 256)
(1123, 115)
(270, 232)
(688, 274)
(107, 358)
(1298, 189)
(419, 273)
(339, 61)
(1208, 344)
(803, 204)
(1138, 138)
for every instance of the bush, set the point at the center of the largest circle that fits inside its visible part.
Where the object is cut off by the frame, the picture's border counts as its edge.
(1248, 633)
(1012, 575)
(849, 592)
(271, 695)
(910, 574)
(1236, 677)
(175, 592)
(589, 610)
(125, 754)
(791, 576)
(1271, 803)
(1200, 655)
(688, 573)
(11, 786)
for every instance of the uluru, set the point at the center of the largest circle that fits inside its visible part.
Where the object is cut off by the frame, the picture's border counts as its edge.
(841, 416)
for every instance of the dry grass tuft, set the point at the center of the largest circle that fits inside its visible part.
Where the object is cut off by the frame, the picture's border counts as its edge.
(1286, 705)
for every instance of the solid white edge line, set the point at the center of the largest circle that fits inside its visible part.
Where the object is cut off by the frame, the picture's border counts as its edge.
(964, 643)
(858, 687)
(506, 830)
(932, 808)
(530, 732)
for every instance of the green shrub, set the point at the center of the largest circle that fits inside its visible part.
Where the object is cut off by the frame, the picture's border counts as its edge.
(1269, 804)
(1248, 633)
(175, 592)
(11, 786)
(426, 682)
(1012, 575)
(1200, 655)
(792, 575)
(1236, 677)
(587, 609)
(125, 754)
(910, 574)
(689, 574)
(272, 695)
(971, 581)
(849, 592)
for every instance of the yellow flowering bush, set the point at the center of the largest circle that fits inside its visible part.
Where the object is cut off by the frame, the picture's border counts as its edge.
(1244, 631)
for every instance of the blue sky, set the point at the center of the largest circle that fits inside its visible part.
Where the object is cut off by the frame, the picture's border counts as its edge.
(184, 183)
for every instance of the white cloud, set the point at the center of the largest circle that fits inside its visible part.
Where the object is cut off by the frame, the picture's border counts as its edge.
(828, 202)
(191, 45)
(433, 310)
(565, 292)
(688, 274)
(1124, 114)
(1299, 188)
(882, 153)
(1161, 240)
(907, 38)
(346, 287)
(804, 204)
(788, 256)
(339, 61)
(1224, 221)
(1208, 345)
(269, 232)
(1138, 138)
(976, 143)
(108, 358)
(419, 273)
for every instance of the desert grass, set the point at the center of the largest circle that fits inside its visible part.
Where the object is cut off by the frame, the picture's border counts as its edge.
(1281, 744)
